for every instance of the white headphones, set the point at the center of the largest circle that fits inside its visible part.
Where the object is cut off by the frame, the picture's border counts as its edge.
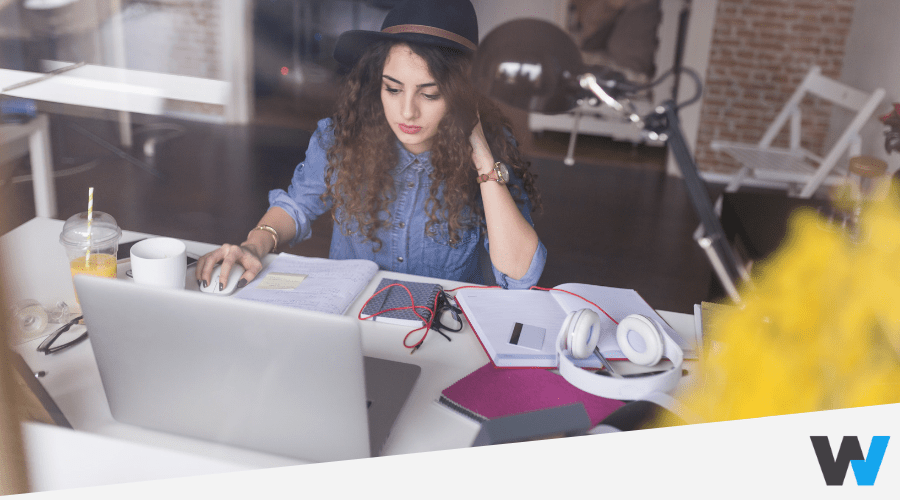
(643, 341)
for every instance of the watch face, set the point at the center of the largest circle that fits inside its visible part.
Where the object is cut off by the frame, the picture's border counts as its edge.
(503, 172)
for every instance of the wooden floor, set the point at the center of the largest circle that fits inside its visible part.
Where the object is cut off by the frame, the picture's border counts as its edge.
(614, 218)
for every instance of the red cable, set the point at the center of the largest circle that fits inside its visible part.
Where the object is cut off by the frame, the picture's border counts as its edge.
(430, 321)
(427, 323)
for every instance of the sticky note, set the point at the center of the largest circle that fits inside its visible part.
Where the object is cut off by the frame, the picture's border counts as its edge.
(280, 281)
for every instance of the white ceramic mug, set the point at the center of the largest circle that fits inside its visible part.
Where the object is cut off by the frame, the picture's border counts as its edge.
(159, 262)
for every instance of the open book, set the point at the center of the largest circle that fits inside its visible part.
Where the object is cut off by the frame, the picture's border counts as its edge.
(310, 283)
(519, 328)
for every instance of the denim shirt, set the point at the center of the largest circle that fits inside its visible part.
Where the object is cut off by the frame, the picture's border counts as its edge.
(406, 248)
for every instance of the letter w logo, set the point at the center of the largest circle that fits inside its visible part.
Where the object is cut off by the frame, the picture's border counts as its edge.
(834, 468)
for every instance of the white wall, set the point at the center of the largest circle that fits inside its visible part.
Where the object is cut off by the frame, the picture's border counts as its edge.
(696, 56)
(871, 61)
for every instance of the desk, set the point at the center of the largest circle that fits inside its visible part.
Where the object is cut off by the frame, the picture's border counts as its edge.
(37, 131)
(103, 88)
(40, 271)
(117, 89)
(756, 223)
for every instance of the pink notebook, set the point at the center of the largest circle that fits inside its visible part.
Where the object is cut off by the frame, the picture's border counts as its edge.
(490, 392)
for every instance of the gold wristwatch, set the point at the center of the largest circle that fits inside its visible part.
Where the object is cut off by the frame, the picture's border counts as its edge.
(500, 173)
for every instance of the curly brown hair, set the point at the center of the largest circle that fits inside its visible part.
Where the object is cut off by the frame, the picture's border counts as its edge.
(364, 152)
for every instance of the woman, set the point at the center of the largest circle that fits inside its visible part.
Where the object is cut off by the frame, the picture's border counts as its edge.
(419, 170)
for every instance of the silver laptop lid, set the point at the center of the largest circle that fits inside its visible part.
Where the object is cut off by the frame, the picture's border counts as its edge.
(268, 378)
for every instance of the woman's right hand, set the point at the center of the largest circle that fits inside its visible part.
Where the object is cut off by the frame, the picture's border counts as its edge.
(229, 255)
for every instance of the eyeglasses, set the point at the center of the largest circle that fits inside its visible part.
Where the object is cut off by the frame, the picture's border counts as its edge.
(47, 346)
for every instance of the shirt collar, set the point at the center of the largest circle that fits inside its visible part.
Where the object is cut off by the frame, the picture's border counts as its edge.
(409, 160)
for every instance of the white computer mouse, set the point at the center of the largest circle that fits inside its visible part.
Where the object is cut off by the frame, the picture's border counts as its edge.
(233, 278)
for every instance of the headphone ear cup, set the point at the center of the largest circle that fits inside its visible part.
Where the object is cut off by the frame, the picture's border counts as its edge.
(649, 333)
(584, 333)
(564, 334)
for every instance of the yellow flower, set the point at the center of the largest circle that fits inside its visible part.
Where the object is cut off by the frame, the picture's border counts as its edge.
(819, 326)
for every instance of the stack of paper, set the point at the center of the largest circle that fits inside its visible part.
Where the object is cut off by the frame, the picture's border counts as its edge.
(310, 283)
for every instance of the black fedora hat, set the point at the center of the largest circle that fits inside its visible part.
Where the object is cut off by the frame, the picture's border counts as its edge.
(444, 23)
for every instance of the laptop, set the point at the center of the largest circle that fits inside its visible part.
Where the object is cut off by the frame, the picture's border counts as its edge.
(268, 378)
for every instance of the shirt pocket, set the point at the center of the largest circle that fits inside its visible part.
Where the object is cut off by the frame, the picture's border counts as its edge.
(441, 260)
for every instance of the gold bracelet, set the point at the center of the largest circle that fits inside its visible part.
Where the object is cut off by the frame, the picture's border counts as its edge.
(269, 229)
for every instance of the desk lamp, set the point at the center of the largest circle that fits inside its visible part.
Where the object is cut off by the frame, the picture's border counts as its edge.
(534, 65)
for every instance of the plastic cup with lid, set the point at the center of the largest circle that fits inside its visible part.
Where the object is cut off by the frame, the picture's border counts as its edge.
(91, 251)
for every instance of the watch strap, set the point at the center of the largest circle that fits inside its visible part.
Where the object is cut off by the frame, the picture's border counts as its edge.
(487, 177)
(494, 175)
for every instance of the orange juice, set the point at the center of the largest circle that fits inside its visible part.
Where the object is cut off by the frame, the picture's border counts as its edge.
(98, 264)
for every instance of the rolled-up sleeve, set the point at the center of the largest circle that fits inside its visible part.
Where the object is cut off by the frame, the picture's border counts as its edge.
(539, 258)
(531, 277)
(302, 201)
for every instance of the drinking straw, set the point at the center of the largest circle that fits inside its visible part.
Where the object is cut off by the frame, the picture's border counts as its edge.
(87, 253)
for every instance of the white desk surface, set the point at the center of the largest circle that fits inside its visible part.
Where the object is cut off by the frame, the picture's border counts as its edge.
(117, 89)
(37, 269)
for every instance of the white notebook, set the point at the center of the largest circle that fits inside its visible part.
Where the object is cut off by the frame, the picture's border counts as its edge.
(518, 328)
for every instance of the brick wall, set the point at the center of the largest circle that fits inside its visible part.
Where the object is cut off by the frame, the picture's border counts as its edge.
(761, 49)
(197, 49)
(182, 37)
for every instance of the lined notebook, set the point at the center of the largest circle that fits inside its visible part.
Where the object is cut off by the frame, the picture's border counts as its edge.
(311, 283)
(490, 392)
(395, 297)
